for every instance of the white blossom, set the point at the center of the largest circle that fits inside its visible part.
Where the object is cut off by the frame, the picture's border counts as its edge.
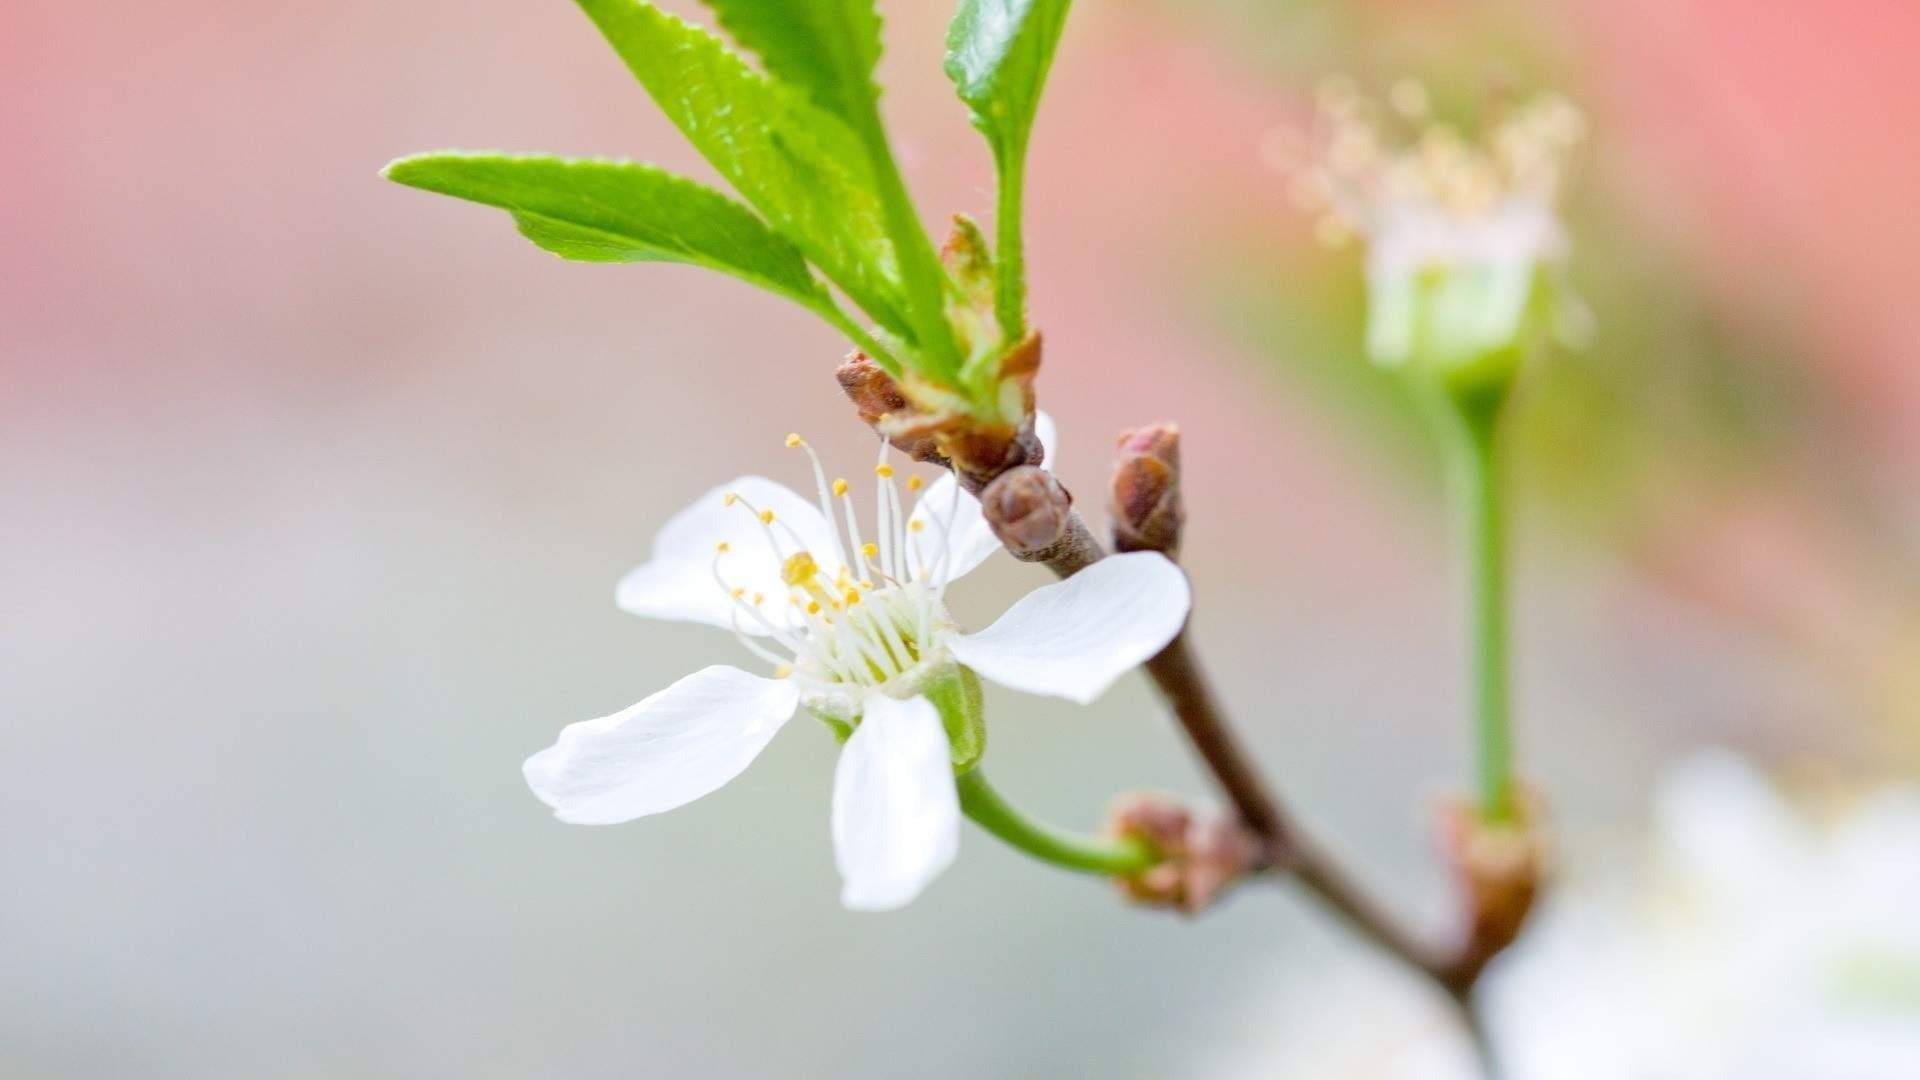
(1463, 240)
(852, 623)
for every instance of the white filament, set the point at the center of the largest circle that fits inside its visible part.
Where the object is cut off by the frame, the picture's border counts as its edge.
(861, 622)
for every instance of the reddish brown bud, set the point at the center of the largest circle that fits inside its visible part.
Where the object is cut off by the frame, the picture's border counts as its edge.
(881, 405)
(1498, 868)
(1027, 509)
(1144, 497)
(1201, 856)
(929, 423)
(873, 392)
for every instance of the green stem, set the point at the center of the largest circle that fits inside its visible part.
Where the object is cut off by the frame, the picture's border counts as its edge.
(1010, 265)
(925, 278)
(1111, 858)
(1478, 495)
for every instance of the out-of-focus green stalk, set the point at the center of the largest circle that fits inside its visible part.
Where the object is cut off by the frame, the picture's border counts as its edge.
(1471, 432)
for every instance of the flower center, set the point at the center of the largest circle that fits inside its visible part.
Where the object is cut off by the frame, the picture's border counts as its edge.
(1371, 169)
(861, 615)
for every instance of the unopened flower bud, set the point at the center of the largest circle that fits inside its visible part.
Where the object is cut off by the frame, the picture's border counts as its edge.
(1027, 509)
(1201, 856)
(1144, 498)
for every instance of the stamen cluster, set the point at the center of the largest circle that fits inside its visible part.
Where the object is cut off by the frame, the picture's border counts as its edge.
(863, 615)
(1365, 158)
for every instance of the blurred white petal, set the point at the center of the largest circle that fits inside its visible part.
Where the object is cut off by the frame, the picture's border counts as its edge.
(1043, 427)
(1719, 819)
(1759, 943)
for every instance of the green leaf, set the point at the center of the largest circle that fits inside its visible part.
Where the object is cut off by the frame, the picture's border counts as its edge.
(618, 211)
(801, 166)
(998, 53)
(828, 48)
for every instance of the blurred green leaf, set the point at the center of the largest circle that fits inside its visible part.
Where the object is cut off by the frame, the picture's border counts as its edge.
(998, 53)
(801, 166)
(618, 211)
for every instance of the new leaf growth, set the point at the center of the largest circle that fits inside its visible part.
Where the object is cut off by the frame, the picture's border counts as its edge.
(824, 215)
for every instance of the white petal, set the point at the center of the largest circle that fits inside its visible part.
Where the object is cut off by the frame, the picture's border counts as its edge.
(955, 524)
(1071, 639)
(955, 537)
(1737, 839)
(896, 815)
(678, 581)
(667, 751)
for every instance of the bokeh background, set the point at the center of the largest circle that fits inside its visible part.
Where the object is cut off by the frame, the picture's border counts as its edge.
(313, 491)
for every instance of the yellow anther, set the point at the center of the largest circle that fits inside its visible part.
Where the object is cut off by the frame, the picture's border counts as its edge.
(914, 483)
(853, 597)
(723, 547)
(865, 584)
(759, 598)
(729, 499)
(870, 549)
(794, 440)
(883, 470)
(799, 569)
(917, 524)
(766, 517)
(813, 607)
(840, 488)
(739, 592)
(782, 671)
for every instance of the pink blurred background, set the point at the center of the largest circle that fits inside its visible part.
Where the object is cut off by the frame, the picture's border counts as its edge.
(316, 488)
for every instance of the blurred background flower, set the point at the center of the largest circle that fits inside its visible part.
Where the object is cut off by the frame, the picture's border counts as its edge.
(1744, 936)
(315, 486)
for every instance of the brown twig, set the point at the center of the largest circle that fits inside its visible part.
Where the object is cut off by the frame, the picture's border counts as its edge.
(1497, 867)
(1177, 674)
(1033, 515)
